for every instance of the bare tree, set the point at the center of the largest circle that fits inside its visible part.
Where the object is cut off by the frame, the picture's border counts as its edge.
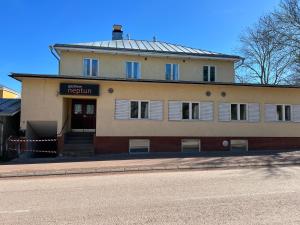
(272, 47)
(267, 60)
(286, 23)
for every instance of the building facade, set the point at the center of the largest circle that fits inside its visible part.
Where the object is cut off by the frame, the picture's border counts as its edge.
(8, 93)
(129, 96)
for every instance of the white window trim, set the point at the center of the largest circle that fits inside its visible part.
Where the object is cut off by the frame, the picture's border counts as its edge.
(132, 69)
(209, 73)
(139, 110)
(190, 110)
(172, 77)
(91, 60)
(238, 112)
(283, 113)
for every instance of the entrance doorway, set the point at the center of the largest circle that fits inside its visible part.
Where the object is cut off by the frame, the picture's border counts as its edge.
(83, 115)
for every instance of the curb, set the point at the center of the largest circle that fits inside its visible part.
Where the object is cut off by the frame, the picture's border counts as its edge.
(66, 172)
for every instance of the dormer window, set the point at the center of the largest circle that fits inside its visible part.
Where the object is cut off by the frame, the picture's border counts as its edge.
(90, 67)
(209, 73)
(133, 70)
(172, 72)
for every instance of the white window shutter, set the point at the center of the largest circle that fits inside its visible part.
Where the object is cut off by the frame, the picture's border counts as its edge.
(253, 112)
(122, 109)
(270, 112)
(296, 113)
(156, 110)
(175, 110)
(206, 111)
(224, 112)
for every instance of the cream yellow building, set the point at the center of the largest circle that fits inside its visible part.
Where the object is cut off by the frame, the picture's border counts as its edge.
(8, 93)
(129, 96)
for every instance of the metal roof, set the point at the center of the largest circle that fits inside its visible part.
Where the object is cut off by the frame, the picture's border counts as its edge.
(142, 46)
(9, 107)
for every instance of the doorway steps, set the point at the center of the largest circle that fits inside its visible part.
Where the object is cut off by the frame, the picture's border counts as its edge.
(78, 144)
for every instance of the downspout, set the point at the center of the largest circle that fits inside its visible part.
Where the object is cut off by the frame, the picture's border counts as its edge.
(56, 56)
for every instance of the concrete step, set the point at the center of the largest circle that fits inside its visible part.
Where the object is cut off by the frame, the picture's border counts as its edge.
(78, 150)
(79, 134)
(79, 137)
(78, 154)
(78, 141)
(78, 146)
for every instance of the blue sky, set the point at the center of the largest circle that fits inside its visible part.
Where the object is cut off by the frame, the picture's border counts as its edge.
(28, 27)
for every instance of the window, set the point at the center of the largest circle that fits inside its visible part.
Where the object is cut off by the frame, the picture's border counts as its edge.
(243, 112)
(190, 145)
(287, 109)
(185, 111)
(139, 109)
(172, 72)
(90, 67)
(190, 111)
(239, 145)
(283, 112)
(133, 70)
(238, 112)
(234, 112)
(77, 109)
(90, 109)
(209, 73)
(195, 111)
(134, 109)
(144, 110)
(139, 145)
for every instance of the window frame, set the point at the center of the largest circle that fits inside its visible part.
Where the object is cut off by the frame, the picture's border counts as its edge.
(283, 113)
(208, 76)
(139, 72)
(139, 109)
(172, 75)
(239, 112)
(91, 67)
(190, 110)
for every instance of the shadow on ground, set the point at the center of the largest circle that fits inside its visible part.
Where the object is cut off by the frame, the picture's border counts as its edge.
(214, 158)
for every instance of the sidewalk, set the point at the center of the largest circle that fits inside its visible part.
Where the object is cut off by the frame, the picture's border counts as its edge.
(140, 163)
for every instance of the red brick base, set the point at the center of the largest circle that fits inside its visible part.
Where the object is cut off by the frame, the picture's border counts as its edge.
(108, 145)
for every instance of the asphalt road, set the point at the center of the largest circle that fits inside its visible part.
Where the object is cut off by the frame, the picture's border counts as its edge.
(244, 196)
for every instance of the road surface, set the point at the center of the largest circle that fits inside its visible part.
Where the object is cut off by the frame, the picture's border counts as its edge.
(240, 196)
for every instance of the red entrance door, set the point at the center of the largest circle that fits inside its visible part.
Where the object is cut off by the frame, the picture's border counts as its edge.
(83, 115)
